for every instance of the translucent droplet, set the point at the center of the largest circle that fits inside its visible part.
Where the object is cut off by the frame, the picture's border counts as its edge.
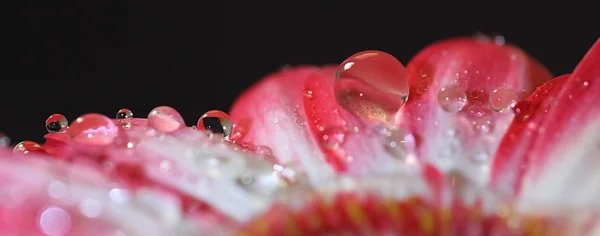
(502, 98)
(57, 123)
(452, 98)
(372, 85)
(124, 114)
(398, 143)
(333, 137)
(165, 119)
(27, 147)
(93, 129)
(217, 122)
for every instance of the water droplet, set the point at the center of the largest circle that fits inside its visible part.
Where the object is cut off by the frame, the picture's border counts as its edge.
(217, 122)
(452, 98)
(372, 85)
(124, 114)
(522, 111)
(57, 123)
(502, 98)
(165, 119)
(27, 147)
(333, 137)
(93, 129)
(398, 143)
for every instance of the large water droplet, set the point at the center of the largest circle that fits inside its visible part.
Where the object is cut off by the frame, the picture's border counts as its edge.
(452, 98)
(93, 129)
(333, 137)
(57, 123)
(502, 98)
(27, 147)
(165, 119)
(217, 122)
(372, 85)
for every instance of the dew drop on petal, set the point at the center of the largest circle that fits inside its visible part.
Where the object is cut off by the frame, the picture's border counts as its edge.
(57, 123)
(452, 98)
(93, 129)
(165, 119)
(124, 114)
(217, 122)
(26, 147)
(372, 85)
(502, 98)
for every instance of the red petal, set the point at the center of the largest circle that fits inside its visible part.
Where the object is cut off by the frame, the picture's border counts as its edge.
(512, 157)
(563, 156)
(468, 138)
(295, 113)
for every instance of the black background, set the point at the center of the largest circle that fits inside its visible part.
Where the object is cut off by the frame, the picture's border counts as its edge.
(100, 56)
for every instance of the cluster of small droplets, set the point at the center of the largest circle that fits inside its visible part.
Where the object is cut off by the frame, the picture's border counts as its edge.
(452, 98)
(97, 129)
